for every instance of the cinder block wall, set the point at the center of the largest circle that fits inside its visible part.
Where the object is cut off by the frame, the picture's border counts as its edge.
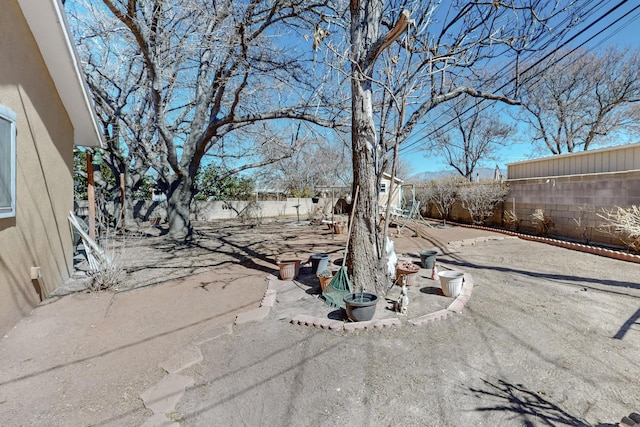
(460, 214)
(573, 202)
(208, 211)
(569, 199)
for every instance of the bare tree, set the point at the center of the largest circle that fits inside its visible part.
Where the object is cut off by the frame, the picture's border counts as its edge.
(473, 137)
(220, 79)
(583, 99)
(123, 110)
(321, 163)
(443, 193)
(429, 50)
(403, 169)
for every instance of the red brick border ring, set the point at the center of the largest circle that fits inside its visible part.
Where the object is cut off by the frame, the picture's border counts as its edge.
(335, 325)
(456, 306)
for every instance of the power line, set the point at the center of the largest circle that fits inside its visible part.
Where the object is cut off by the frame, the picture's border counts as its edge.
(506, 72)
(533, 65)
(405, 149)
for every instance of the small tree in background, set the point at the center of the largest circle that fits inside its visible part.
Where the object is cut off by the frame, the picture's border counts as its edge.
(321, 163)
(214, 183)
(481, 199)
(474, 136)
(442, 193)
(583, 99)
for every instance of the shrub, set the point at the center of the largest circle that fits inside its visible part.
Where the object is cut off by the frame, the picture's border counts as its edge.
(251, 212)
(623, 223)
(442, 194)
(512, 220)
(480, 199)
(583, 223)
(542, 222)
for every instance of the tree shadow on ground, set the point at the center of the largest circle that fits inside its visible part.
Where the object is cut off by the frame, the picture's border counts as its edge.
(531, 408)
(633, 320)
(307, 278)
(558, 277)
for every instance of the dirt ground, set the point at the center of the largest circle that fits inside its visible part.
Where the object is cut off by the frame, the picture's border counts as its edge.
(550, 336)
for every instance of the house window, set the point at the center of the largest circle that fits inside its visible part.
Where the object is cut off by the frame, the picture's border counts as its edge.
(7, 163)
(383, 187)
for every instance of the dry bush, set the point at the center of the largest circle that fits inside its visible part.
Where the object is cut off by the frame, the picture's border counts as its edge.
(251, 212)
(512, 220)
(583, 223)
(481, 199)
(441, 193)
(105, 264)
(542, 222)
(623, 223)
(109, 273)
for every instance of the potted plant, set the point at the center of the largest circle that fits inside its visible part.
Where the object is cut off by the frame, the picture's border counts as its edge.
(406, 273)
(325, 277)
(315, 198)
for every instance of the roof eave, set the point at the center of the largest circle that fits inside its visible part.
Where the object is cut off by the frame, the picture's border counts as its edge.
(50, 30)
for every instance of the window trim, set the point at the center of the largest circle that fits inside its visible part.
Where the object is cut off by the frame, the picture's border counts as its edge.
(383, 188)
(9, 211)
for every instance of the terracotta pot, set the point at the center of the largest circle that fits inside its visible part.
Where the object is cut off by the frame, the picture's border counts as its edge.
(289, 269)
(406, 276)
(340, 228)
(324, 281)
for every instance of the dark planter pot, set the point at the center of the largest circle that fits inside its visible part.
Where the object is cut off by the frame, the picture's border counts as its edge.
(315, 199)
(427, 258)
(360, 306)
(319, 262)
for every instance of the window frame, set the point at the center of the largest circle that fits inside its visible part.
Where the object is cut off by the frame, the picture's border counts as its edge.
(9, 211)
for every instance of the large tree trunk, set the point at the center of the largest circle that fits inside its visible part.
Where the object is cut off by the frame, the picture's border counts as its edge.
(179, 208)
(129, 208)
(364, 257)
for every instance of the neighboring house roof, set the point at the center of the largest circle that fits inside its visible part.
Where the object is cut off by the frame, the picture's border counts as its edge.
(388, 176)
(49, 27)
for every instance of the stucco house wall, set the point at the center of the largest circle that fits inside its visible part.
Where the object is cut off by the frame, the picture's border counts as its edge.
(39, 235)
(385, 192)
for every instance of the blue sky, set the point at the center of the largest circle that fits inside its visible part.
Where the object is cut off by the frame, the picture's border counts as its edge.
(623, 33)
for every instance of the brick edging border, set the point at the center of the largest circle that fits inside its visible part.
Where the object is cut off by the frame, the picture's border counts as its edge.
(336, 325)
(595, 250)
